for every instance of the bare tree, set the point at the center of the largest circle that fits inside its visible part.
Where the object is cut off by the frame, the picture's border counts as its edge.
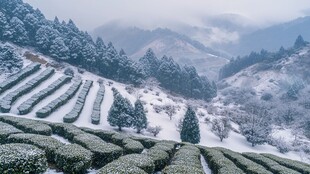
(221, 128)
(154, 130)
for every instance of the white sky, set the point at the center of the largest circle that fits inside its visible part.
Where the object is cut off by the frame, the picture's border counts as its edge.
(89, 14)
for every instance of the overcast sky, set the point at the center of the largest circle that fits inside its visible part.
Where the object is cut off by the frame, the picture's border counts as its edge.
(89, 14)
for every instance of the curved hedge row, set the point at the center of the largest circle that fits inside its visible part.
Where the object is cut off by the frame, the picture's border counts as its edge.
(7, 130)
(117, 167)
(245, 164)
(103, 134)
(165, 146)
(186, 160)
(22, 158)
(95, 116)
(73, 158)
(160, 158)
(74, 114)
(46, 143)
(7, 101)
(13, 80)
(63, 99)
(103, 152)
(218, 163)
(27, 106)
(27, 125)
(125, 141)
(271, 165)
(296, 165)
(142, 161)
(146, 142)
(66, 130)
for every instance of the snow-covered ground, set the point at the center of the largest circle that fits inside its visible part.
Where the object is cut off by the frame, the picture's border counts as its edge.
(235, 142)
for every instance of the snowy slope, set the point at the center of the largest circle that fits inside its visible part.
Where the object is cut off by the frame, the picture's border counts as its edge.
(169, 131)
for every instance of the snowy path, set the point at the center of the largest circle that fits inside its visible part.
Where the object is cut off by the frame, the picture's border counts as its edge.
(205, 166)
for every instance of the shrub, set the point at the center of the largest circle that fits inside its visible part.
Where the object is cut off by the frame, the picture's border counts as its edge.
(268, 163)
(187, 156)
(13, 80)
(177, 169)
(63, 99)
(266, 96)
(103, 152)
(73, 158)
(158, 108)
(132, 146)
(27, 125)
(74, 114)
(7, 101)
(7, 130)
(160, 158)
(244, 163)
(69, 72)
(22, 158)
(146, 142)
(167, 147)
(295, 165)
(46, 143)
(103, 134)
(130, 89)
(140, 160)
(95, 116)
(27, 106)
(154, 130)
(117, 167)
(66, 130)
(218, 163)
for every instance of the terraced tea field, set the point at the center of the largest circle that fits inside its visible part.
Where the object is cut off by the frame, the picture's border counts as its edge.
(33, 142)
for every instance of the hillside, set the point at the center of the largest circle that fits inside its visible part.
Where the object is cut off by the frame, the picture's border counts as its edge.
(185, 51)
(155, 99)
(271, 38)
(278, 90)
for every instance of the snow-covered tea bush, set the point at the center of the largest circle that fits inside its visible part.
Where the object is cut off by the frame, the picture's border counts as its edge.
(73, 158)
(46, 143)
(22, 158)
(177, 169)
(66, 130)
(7, 130)
(103, 152)
(218, 163)
(132, 146)
(296, 165)
(140, 160)
(160, 157)
(117, 167)
(95, 116)
(268, 163)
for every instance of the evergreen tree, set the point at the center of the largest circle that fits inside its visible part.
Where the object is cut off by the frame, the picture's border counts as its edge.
(300, 42)
(139, 117)
(150, 63)
(120, 113)
(44, 38)
(190, 128)
(3, 23)
(59, 50)
(16, 32)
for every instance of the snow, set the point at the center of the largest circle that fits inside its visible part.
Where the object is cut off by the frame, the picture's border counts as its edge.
(205, 166)
(235, 141)
(61, 139)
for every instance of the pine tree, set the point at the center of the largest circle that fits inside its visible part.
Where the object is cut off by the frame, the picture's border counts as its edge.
(16, 32)
(3, 23)
(59, 50)
(190, 129)
(150, 63)
(139, 117)
(120, 113)
(300, 42)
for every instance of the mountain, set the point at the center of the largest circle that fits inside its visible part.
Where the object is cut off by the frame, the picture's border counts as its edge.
(136, 42)
(271, 86)
(65, 42)
(271, 38)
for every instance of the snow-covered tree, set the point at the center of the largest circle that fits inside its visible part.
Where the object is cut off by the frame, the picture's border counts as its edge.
(221, 128)
(44, 37)
(300, 42)
(59, 50)
(89, 55)
(3, 23)
(75, 48)
(120, 113)
(150, 63)
(10, 61)
(256, 126)
(170, 110)
(154, 130)
(139, 117)
(100, 47)
(15, 31)
(31, 24)
(190, 129)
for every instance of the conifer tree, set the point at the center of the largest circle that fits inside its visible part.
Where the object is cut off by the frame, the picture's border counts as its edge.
(120, 113)
(139, 117)
(190, 129)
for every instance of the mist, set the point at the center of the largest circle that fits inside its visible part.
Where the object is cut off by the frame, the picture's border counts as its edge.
(160, 13)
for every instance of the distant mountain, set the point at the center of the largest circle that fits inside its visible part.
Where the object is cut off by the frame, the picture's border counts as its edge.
(136, 42)
(271, 38)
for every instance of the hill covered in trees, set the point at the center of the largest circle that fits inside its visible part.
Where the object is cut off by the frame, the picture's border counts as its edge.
(25, 26)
